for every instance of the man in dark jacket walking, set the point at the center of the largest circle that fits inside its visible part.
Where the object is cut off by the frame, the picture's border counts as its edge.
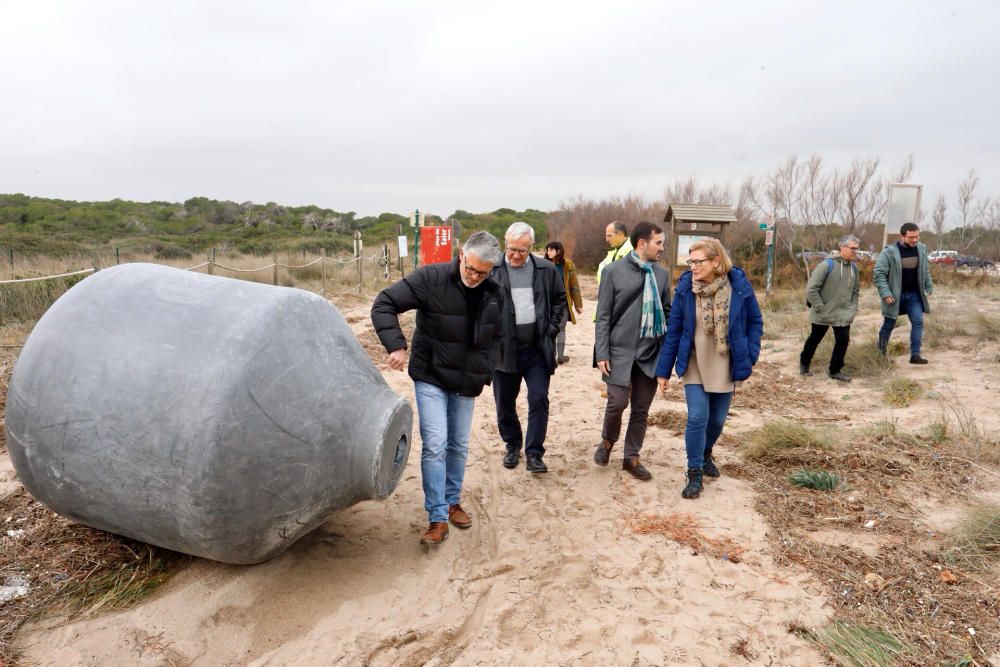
(832, 296)
(453, 347)
(533, 305)
(632, 310)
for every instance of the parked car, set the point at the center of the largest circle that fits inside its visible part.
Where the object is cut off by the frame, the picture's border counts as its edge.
(974, 262)
(943, 257)
(865, 256)
(813, 255)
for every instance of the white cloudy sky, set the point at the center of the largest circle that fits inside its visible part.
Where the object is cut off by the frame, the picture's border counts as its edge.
(387, 106)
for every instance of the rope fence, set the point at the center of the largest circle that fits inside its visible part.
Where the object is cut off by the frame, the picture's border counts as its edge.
(382, 269)
(58, 275)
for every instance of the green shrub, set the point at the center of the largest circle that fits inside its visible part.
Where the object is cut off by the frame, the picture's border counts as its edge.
(821, 480)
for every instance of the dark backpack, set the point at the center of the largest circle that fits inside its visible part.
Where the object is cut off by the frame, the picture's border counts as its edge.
(829, 268)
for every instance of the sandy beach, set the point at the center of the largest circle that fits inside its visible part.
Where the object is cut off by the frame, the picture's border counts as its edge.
(552, 571)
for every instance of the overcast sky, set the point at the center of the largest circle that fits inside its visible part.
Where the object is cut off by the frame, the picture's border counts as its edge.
(392, 106)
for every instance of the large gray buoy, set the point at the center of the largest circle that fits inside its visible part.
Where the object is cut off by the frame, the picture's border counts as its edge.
(216, 417)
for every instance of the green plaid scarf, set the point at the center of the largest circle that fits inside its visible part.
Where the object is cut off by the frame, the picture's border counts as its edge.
(651, 323)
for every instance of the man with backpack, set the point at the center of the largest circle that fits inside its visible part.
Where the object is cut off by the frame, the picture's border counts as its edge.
(832, 298)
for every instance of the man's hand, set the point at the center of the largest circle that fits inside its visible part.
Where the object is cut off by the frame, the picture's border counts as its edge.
(889, 300)
(579, 310)
(397, 359)
(604, 366)
(663, 384)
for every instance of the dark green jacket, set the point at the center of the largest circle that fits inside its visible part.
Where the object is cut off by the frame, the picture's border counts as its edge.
(832, 293)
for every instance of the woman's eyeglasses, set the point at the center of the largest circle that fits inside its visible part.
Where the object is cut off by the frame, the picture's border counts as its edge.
(695, 263)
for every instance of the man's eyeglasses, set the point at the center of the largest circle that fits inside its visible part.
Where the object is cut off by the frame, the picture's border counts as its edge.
(475, 272)
(851, 247)
(519, 251)
(695, 263)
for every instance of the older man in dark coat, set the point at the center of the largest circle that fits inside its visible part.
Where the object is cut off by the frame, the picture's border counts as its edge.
(533, 305)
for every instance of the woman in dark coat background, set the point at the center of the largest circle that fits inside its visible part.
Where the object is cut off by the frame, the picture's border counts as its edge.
(556, 253)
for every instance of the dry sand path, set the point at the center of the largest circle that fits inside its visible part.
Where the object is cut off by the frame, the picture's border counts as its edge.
(550, 573)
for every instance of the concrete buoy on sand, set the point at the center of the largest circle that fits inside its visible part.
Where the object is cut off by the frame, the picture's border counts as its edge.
(216, 417)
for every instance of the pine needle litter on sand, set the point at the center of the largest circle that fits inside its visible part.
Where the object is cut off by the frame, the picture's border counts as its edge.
(686, 530)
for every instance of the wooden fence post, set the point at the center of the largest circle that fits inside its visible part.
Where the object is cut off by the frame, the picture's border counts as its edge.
(357, 255)
(323, 263)
(275, 260)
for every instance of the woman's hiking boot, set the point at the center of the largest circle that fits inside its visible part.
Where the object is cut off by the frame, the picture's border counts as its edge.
(709, 468)
(694, 485)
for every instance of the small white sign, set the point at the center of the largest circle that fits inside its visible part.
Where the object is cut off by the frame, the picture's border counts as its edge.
(769, 237)
(402, 245)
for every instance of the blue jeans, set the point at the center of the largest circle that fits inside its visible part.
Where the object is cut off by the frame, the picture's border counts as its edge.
(445, 423)
(911, 305)
(707, 414)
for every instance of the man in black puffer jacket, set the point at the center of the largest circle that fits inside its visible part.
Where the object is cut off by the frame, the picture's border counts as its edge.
(452, 359)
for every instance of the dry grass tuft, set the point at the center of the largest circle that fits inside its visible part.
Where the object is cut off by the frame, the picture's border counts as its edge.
(777, 436)
(686, 530)
(784, 301)
(860, 645)
(69, 568)
(862, 358)
(987, 327)
(901, 392)
(976, 544)
(671, 420)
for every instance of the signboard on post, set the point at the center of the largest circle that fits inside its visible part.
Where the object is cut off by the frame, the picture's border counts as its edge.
(769, 237)
(904, 206)
(403, 242)
(435, 244)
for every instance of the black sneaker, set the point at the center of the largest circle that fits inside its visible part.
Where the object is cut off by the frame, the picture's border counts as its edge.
(917, 359)
(536, 465)
(511, 458)
(840, 377)
(804, 370)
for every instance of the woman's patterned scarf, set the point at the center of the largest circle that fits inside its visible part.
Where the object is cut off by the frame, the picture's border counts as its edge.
(713, 305)
(652, 322)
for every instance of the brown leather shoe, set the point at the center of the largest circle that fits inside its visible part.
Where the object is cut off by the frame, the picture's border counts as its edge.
(636, 469)
(436, 533)
(459, 517)
(603, 453)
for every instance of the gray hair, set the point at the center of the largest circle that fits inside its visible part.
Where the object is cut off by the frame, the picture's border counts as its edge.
(484, 246)
(519, 229)
(844, 240)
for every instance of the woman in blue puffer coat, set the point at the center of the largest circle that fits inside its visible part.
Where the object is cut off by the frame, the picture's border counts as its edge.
(712, 341)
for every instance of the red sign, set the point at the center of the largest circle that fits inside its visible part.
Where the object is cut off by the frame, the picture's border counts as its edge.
(435, 244)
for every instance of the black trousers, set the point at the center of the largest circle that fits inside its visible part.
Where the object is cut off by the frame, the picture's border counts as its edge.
(841, 339)
(640, 393)
(534, 371)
